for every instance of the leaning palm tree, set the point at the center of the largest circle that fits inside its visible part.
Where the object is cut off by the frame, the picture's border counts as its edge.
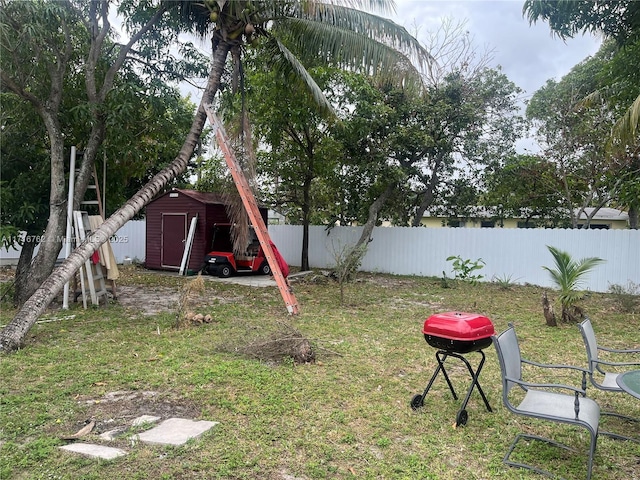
(568, 275)
(294, 32)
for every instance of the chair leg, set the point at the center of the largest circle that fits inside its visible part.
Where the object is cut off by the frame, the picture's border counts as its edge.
(507, 461)
(619, 415)
(592, 452)
(617, 436)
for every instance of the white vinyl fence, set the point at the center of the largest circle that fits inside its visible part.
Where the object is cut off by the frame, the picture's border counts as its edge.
(514, 254)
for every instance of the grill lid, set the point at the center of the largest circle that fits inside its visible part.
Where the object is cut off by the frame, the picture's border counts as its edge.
(458, 326)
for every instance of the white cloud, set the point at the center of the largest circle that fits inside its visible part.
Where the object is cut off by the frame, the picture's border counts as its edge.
(528, 55)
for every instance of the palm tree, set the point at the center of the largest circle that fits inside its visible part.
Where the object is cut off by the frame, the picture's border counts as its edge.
(567, 276)
(295, 31)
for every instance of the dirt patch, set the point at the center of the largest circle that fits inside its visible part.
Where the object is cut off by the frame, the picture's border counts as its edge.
(149, 300)
(118, 409)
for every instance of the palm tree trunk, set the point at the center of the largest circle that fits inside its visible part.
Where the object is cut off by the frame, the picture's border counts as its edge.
(12, 336)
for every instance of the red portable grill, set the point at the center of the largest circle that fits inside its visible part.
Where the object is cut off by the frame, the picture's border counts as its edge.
(455, 334)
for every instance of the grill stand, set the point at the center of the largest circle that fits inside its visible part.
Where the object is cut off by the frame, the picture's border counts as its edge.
(441, 357)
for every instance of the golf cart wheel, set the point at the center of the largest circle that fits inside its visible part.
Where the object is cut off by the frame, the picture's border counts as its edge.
(225, 271)
(417, 402)
(265, 269)
(461, 418)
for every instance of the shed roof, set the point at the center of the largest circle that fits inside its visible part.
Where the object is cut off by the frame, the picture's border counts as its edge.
(202, 197)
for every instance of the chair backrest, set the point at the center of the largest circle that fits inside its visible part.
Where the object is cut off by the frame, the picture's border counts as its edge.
(510, 359)
(590, 342)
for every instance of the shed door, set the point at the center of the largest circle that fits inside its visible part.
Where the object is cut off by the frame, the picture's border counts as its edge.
(174, 236)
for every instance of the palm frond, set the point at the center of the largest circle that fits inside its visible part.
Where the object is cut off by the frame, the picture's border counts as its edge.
(591, 100)
(568, 273)
(625, 131)
(287, 63)
(354, 39)
(382, 6)
(349, 50)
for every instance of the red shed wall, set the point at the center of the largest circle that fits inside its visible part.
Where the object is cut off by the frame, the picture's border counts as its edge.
(169, 204)
(175, 202)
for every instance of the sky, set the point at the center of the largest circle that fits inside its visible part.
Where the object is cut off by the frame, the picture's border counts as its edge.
(528, 54)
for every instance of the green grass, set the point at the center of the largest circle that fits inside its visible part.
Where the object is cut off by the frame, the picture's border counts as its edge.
(346, 416)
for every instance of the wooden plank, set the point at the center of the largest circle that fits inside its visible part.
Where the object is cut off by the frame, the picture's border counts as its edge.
(187, 246)
(251, 206)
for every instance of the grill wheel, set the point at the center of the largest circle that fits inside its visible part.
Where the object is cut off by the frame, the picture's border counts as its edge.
(417, 402)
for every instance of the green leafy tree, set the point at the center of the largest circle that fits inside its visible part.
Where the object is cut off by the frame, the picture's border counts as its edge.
(60, 59)
(574, 138)
(567, 276)
(524, 186)
(471, 120)
(293, 32)
(297, 151)
(619, 21)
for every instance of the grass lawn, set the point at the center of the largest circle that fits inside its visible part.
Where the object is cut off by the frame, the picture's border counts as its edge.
(345, 416)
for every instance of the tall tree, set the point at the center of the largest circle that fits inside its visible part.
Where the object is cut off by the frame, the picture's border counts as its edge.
(341, 34)
(619, 21)
(299, 149)
(527, 187)
(60, 58)
(571, 138)
(142, 136)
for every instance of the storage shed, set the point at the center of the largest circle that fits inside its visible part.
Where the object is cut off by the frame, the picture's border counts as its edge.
(169, 217)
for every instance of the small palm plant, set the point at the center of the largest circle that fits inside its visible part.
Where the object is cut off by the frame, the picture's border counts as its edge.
(567, 275)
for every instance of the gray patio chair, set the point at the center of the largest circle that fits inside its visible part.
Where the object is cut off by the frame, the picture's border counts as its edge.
(602, 379)
(543, 400)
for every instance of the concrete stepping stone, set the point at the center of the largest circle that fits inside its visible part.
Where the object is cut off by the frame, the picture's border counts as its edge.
(94, 451)
(175, 431)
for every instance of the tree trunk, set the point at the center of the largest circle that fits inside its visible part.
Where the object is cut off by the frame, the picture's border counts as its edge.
(51, 240)
(374, 210)
(306, 217)
(547, 309)
(24, 267)
(633, 218)
(350, 262)
(427, 196)
(304, 261)
(12, 336)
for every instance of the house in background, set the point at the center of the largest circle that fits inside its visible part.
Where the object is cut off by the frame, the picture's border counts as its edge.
(605, 218)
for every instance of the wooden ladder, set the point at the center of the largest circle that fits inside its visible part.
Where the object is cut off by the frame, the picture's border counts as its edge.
(251, 206)
(98, 200)
(98, 203)
(90, 273)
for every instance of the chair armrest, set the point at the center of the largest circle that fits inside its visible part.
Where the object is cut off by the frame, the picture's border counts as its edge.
(581, 391)
(584, 371)
(546, 365)
(615, 350)
(616, 364)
